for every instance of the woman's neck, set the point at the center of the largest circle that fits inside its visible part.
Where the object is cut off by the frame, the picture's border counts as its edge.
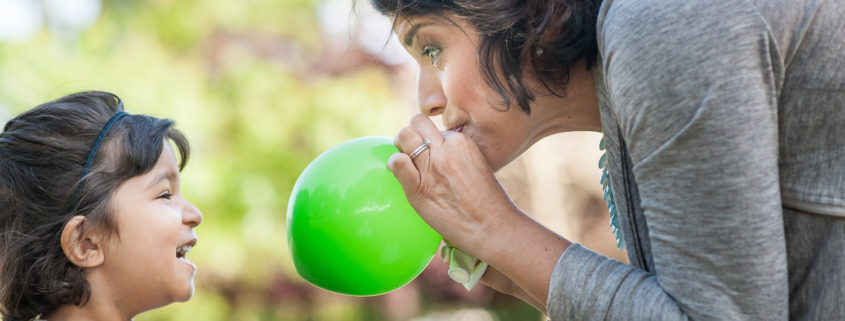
(578, 110)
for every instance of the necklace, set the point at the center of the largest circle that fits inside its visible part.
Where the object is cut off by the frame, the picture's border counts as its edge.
(608, 197)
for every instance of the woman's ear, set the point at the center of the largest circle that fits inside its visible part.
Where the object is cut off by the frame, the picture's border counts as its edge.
(82, 249)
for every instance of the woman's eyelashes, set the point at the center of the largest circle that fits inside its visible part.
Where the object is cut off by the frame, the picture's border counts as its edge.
(432, 53)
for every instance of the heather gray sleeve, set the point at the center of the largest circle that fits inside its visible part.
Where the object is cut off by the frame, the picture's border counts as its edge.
(693, 85)
(588, 286)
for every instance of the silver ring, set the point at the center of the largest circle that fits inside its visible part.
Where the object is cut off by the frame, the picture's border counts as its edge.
(420, 149)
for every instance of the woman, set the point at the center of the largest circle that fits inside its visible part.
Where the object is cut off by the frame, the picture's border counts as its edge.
(725, 138)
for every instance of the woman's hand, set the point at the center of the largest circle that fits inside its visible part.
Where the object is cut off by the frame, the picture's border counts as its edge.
(450, 185)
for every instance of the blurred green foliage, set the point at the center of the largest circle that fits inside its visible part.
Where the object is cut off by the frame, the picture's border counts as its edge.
(241, 79)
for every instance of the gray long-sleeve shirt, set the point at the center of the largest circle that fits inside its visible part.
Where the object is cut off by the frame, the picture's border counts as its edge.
(725, 130)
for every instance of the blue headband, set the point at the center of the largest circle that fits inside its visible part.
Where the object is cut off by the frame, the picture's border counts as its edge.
(93, 154)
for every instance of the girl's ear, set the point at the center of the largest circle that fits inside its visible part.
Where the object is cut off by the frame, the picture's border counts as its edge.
(84, 250)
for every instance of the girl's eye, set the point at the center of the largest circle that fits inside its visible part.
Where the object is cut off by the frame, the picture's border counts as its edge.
(432, 53)
(165, 195)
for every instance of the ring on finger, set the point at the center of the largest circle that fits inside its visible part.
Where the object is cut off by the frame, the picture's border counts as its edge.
(420, 149)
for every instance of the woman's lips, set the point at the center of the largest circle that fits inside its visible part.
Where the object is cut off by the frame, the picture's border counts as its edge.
(457, 129)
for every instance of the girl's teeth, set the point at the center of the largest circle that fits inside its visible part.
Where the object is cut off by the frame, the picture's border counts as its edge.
(181, 251)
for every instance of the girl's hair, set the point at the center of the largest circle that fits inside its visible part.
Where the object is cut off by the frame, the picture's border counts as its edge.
(549, 36)
(42, 154)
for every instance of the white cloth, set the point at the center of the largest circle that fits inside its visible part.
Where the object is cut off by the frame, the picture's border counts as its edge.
(463, 268)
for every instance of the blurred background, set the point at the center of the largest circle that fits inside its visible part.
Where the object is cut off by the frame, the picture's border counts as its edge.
(261, 87)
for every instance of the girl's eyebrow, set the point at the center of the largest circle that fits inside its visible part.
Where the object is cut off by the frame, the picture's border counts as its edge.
(409, 38)
(168, 175)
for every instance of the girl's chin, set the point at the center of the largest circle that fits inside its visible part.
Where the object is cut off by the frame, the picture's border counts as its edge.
(187, 294)
(187, 290)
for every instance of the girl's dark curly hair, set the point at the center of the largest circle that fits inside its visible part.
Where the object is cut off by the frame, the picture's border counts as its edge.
(42, 153)
(548, 36)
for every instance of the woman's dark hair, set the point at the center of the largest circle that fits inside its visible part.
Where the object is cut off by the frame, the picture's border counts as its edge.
(42, 154)
(550, 36)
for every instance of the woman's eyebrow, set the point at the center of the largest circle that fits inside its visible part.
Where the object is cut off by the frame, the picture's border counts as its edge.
(409, 38)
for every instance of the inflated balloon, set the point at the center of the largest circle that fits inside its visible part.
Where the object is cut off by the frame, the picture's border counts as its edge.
(350, 227)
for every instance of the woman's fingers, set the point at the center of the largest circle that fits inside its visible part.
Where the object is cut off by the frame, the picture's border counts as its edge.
(426, 129)
(406, 173)
(404, 165)
(418, 139)
(407, 140)
(448, 182)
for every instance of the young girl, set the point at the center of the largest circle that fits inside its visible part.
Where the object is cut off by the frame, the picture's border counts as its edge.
(93, 225)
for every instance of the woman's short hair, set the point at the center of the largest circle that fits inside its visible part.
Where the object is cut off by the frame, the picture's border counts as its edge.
(548, 36)
(42, 154)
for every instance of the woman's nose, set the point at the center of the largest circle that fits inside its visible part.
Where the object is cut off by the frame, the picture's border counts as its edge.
(430, 94)
(191, 215)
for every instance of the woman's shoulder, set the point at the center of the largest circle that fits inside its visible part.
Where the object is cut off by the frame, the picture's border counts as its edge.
(668, 18)
(664, 61)
(664, 18)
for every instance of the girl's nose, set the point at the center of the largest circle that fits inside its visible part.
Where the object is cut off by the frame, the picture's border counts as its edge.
(191, 215)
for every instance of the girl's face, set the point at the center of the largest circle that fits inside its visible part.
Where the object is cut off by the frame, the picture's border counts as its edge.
(450, 84)
(146, 261)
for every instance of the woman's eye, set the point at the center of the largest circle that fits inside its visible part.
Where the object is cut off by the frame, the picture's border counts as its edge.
(165, 195)
(432, 53)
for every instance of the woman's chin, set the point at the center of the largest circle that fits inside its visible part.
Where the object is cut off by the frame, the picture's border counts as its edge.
(496, 162)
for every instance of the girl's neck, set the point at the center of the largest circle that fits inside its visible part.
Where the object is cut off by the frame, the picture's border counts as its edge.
(105, 303)
(91, 311)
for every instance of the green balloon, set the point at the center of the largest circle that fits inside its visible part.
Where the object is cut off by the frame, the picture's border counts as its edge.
(350, 227)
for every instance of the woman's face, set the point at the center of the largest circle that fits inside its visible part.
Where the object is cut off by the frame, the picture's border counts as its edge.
(450, 84)
(146, 261)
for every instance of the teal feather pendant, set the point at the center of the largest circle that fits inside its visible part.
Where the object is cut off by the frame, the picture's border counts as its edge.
(608, 197)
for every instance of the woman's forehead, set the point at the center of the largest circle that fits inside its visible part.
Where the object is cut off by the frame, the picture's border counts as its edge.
(406, 27)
